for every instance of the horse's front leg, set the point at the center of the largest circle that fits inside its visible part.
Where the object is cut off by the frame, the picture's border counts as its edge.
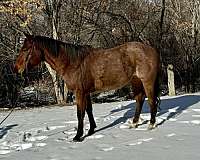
(81, 107)
(90, 116)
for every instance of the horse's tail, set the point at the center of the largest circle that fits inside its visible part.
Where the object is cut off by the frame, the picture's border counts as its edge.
(157, 89)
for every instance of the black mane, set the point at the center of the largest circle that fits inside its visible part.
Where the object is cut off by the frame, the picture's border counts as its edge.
(72, 51)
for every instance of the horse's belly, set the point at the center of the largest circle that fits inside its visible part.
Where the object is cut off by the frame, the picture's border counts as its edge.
(112, 71)
(112, 81)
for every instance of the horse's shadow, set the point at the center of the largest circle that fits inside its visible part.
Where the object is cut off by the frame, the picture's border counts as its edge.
(4, 130)
(179, 104)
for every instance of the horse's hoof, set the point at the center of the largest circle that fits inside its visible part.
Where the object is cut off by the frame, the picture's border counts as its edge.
(152, 126)
(78, 139)
(90, 132)
(133, 125)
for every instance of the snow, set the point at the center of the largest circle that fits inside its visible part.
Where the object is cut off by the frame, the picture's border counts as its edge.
(46, 133)
(97, 136)
(107, 149)
(171, 135)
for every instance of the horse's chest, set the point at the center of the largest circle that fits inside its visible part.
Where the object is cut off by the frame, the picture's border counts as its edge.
(72, 79)
(79, 78)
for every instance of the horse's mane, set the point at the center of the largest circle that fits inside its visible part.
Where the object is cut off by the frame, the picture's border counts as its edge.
(72, 51)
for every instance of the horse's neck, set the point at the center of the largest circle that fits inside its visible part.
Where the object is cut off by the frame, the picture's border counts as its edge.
(59, 64)
(64, 70)
(50, 60)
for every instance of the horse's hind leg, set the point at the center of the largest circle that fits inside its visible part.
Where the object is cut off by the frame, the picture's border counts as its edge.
(150, 93)
(139, 96)
(139, 102)
(90, 116)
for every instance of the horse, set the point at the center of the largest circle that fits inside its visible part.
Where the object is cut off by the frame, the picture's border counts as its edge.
(87, 70)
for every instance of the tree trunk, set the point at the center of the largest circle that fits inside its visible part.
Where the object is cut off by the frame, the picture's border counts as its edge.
(57, 81)
(171, 85)
(161, 27)
(195, 35)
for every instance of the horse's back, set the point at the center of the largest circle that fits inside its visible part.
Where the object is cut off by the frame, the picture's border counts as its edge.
(140, 49)
(135, 50)
(115, 67)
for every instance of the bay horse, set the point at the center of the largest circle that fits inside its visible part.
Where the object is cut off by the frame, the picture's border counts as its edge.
(86, 70)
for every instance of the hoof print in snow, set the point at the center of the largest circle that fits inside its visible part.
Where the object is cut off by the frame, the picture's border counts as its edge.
(26, 136)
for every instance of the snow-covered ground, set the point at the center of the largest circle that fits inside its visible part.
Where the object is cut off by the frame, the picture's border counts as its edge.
(46, 133)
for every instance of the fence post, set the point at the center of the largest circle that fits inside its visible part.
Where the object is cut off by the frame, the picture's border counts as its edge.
(171, 85)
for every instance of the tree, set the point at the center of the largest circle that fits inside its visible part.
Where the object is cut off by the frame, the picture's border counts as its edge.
(52, 10)
(171, 26)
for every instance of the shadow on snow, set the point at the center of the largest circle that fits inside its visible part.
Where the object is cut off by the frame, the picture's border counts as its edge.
(179, 104)
(4, 130)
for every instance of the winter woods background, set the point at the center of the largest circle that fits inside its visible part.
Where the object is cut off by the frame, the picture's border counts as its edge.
(171, 26)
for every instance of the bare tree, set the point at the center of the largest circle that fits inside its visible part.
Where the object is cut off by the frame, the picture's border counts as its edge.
(52, 10)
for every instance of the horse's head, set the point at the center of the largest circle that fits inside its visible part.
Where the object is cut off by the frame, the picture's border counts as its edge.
(30, 55)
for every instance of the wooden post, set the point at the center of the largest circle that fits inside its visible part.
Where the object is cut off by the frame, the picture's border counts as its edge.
(171, 85)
